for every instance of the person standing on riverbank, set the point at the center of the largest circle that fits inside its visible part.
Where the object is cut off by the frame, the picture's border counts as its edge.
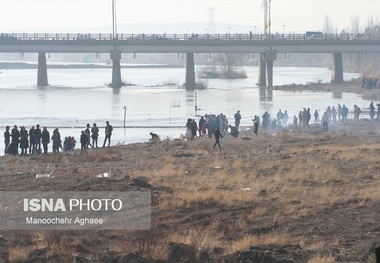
(84, 138)
(94, 135)
(45, 136)
(32, 141)
(325, 122)
(201, 122)
(37, 138)
(15, 134)
(316, 116)
(339, 111)
(295, 122)
(24, 143)
(56, 138)
(108, 132)
(333, 114)
(237, 117)
(344, 114)
(357, 112)
(371, 110)
(7, 138)
(256, 124)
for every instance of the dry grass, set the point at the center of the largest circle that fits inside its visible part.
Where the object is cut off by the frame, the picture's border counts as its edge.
(19, 254)
(250, 193)
(273, 238)
(322, 259)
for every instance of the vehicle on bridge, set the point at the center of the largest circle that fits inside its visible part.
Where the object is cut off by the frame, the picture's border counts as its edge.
(85, 37)
(318, 37)
(158, 37)
(203, 37)
(274, 37)
(359, 37)
(139, 37)
(316, 33)
(7, 36)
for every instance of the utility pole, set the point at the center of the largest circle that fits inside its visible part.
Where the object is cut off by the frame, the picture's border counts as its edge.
(269, 22)
(125, 114)
(264, 7)
(114, 25)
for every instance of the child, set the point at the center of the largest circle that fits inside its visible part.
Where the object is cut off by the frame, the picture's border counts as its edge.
(203, 130)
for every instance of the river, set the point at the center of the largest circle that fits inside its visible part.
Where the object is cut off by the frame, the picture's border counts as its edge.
(76, 97)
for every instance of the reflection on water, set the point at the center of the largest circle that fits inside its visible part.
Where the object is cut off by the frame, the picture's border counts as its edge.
(337, 94)
(190, 97)
(116, 99)
(266, 94)
(115, 91)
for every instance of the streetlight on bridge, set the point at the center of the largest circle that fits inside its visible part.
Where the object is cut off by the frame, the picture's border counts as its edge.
(114, 25)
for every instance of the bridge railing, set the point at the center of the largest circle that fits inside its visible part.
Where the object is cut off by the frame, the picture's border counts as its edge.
(192, 36)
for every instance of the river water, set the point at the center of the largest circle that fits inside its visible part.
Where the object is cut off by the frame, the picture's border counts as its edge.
(76, 97)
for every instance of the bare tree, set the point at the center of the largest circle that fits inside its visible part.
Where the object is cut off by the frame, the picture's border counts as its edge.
(370, 22)
(328, 26)
(230, 65)
(355, 25)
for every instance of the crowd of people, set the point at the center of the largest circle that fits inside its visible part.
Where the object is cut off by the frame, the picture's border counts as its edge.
(30, 141)
(211, 125)
(370, 83)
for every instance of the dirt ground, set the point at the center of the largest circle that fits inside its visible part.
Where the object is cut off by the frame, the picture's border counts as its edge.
(286, 195)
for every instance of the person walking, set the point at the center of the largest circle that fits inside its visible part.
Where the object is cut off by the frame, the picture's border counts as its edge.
(108, 132)
(87, 132)
(217, 135)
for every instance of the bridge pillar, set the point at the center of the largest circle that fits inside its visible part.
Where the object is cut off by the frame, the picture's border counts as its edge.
(269, 57)
(116, 70)
(42, 79)
(337, 69)
(262, 72)
(190, 72)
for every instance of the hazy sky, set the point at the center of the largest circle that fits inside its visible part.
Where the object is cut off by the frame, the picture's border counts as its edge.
(296, 15)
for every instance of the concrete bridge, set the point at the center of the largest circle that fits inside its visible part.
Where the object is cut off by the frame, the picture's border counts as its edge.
(265, 45)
